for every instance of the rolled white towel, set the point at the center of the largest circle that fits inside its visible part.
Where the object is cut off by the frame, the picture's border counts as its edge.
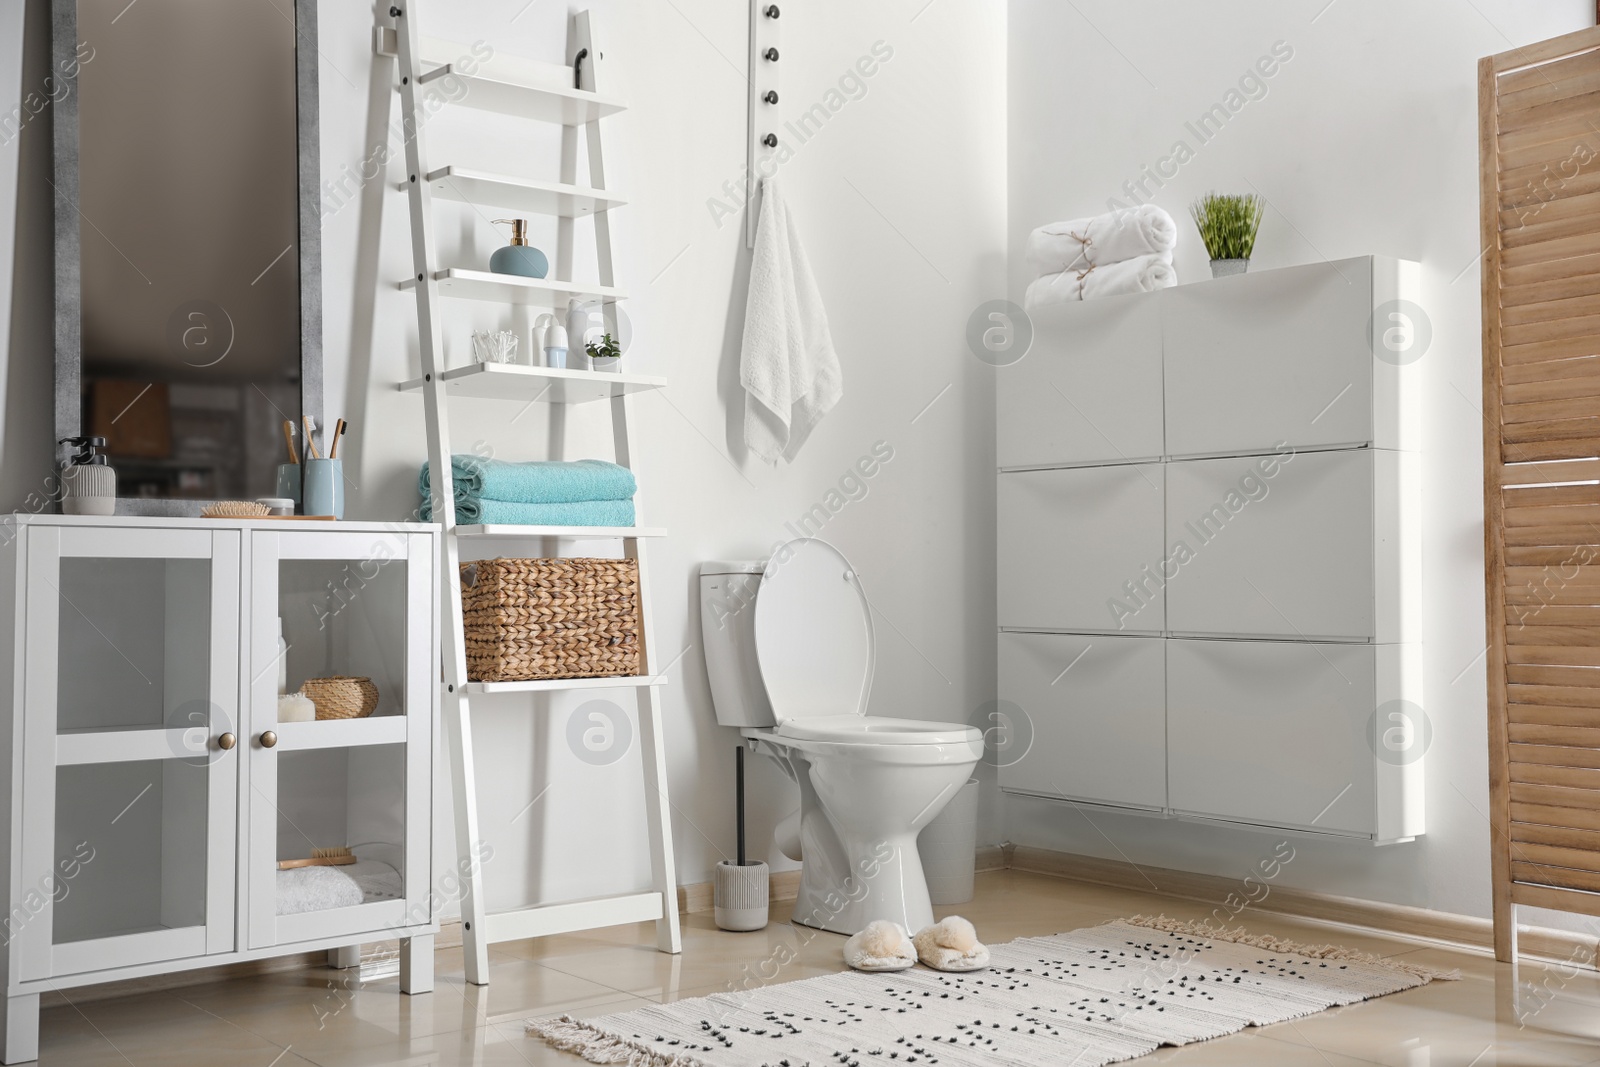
(1103, 239)
(1141, 275)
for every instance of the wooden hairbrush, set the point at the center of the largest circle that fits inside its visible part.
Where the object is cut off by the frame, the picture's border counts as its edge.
(321, 857)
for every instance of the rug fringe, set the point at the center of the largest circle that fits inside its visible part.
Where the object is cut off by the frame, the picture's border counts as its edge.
(597, 1046)
(1205, 928)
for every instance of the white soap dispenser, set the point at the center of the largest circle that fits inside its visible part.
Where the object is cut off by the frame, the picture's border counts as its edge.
(551, 337)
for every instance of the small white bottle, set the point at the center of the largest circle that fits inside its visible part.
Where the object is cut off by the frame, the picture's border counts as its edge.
(283, 661)
(555, 341)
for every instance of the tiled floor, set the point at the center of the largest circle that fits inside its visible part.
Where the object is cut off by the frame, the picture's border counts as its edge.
(1544, 1015)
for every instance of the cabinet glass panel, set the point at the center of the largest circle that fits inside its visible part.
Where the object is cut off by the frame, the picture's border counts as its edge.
(341, 798)
(135, 644)
(344, 619)
(130, 847)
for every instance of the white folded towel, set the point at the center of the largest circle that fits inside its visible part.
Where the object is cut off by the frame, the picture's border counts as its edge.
(1140, 275)
(787, 365)
(1110, 238)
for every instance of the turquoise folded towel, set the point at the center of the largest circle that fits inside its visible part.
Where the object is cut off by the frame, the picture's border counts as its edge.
(475, 510)
(537, 482)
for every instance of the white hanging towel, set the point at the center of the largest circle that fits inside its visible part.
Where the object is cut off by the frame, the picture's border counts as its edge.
(787, 365)
(1110, 238)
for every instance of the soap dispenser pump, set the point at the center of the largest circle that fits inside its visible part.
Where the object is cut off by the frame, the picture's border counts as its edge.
(88, 484)
(519, 257)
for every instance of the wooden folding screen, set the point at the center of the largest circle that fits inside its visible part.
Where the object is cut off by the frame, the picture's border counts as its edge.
(1539, 127)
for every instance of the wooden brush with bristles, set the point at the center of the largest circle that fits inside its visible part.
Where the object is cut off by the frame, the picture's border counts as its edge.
(321, 857)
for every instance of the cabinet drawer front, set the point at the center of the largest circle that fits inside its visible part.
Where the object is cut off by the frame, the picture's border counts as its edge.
(1273, 733)
(1070, 540)
(1088, 391)
(1096, 709)
(1279, 547)
(1280, 356)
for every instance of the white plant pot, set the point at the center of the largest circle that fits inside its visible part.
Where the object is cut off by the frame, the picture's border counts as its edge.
(1222, 268)
(610, 365)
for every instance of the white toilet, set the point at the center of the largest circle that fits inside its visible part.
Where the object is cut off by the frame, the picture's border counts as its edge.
(789, 650)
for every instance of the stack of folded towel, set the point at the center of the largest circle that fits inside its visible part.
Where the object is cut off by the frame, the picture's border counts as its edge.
(585, 492)
(1128, 251)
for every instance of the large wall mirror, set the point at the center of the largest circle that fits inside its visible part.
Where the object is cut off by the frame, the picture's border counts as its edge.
(188, 274)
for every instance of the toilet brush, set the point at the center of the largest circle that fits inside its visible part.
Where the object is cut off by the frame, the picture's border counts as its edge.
(739, 900)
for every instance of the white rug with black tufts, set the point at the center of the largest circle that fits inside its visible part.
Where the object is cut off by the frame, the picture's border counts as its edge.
(1089, 997)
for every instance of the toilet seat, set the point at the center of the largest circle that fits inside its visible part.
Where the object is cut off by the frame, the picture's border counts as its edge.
(877, 730)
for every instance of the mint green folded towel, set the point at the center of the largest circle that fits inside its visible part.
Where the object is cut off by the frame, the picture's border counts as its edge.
(536, 482)
(476, 510)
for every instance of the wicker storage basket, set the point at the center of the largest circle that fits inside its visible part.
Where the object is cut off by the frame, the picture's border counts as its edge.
(342, 697)
(550, 618)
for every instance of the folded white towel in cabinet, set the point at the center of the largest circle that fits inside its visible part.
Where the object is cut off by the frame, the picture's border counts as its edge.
(303, 889)
(1082, 243)
(1140, 275)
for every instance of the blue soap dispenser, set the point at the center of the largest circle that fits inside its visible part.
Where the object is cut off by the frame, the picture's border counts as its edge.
(519, 257)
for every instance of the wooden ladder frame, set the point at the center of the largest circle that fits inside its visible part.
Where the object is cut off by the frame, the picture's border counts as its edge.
(480, 928)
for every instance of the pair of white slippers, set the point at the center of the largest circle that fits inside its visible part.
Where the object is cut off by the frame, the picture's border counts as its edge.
(951, 945)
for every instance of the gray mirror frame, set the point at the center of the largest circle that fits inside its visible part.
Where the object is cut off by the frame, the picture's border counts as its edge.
(69, 299)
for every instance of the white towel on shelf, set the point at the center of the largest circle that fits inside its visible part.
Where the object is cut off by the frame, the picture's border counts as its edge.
(1103, 239)
(303, 889)
(1140, 275)
(787, 365)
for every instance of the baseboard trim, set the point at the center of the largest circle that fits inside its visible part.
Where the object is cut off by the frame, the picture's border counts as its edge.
(697, 896)
(1458, 930)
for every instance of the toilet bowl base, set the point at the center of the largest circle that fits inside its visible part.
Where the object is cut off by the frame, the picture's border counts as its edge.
(872, 880)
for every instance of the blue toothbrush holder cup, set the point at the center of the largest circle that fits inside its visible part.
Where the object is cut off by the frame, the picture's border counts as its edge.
(289, 482)
(324, 488)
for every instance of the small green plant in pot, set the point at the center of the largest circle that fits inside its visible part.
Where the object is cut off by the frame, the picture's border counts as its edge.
(604, 354)
(1228, 224)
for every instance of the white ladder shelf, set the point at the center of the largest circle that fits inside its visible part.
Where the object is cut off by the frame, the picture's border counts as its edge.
(576, 109)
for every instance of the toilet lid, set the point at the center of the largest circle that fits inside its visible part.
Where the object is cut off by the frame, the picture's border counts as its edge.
(813, 633)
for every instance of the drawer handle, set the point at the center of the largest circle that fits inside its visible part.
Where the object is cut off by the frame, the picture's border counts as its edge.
(226, 741)
(269, 739)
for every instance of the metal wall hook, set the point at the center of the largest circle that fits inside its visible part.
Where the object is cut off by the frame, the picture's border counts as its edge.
(770, 140)
(771, 54)
(772, 11)
(771, 97)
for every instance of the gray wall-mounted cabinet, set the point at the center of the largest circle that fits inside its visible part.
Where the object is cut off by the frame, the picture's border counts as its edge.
(1208, 565)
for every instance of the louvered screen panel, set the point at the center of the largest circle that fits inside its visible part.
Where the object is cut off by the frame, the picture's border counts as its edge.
(1540, 189)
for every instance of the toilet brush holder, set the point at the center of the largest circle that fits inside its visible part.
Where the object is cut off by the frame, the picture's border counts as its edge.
(739, 897)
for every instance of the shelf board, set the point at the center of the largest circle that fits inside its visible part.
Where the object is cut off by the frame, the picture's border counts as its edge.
(547, 385)
(490, 531)
(342, 733)
(551, 685)
(464, 284)
(543, 103)
(520, 194)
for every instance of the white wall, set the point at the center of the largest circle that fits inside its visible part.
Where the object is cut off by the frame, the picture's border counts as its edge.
(1365, 141)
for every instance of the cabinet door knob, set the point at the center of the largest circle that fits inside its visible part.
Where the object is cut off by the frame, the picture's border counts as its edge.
(269, 739)
(226, 741)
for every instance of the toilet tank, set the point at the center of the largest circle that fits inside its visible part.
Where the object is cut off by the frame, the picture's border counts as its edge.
(728, 631)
